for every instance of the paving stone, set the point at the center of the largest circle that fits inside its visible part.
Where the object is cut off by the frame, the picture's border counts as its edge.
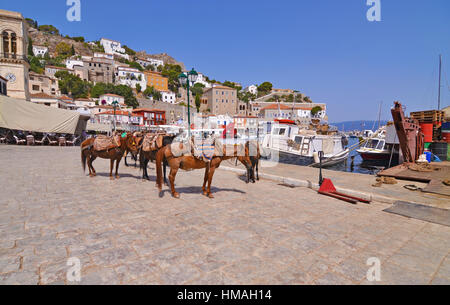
(246, 235)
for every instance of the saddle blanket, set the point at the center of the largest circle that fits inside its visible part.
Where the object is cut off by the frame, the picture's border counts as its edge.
(203, 150)
(229, 150)
(152, 142)
(104, 142)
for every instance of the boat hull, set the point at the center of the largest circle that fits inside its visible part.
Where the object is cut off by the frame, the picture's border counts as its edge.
(366, 156)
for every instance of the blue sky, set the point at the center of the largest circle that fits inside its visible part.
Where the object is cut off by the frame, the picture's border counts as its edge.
(324, 48)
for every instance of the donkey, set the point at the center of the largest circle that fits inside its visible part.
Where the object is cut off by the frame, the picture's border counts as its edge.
(146, 156)
(191, 163)
(88, 154)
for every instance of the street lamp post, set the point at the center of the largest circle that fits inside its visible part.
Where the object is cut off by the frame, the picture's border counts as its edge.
(184, 79)
(115, 104)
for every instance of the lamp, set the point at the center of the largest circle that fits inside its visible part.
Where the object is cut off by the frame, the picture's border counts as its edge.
(193, 76)
(183, 79)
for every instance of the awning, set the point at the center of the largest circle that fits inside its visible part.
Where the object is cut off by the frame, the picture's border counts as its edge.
(19, 114)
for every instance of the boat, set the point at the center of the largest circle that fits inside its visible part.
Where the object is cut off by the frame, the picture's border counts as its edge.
(375, 149)
(290, 144)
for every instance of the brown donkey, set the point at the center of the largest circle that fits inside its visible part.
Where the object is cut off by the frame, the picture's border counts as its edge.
(88, 154)
(191, 163)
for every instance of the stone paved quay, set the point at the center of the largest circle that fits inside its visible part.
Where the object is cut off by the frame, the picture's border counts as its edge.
(263, 233)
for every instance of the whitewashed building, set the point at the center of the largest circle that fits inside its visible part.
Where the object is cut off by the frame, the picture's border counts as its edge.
(113, 47)
(108, 99)
(84, 102)
(40, 51)
(155, 62)
(169, 97)
(104, 55)
(253, 89)
(131, 77)
(70, 63)
(201, 79)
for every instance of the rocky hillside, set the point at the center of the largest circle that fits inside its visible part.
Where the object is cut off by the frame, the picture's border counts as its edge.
(85, 49)
(51, 41)
(163, 56)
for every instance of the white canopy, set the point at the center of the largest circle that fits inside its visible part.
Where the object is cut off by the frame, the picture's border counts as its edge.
(19, 114)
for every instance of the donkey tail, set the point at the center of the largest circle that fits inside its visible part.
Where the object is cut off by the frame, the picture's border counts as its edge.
(141, 159)
(83, 160)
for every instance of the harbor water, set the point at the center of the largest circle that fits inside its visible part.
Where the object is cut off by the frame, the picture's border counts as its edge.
(354, 163)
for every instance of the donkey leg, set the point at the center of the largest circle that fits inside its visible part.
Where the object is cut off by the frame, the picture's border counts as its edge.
(111, 167)
(165, 164)
(88, 161)
(257, 170)
(210, 178)
(91, 160)
(205, 181)
(125, 156)
(117, 167)
(172, 175)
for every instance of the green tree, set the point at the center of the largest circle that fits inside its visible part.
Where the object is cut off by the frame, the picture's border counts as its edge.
(150, 68)
(32, 23)
(197, 89)
(265, 88)
(198, 101)
(172, 72)
(127, 93)
(72, 51)
(129, 51)
(35, 65)
(138, 88)
(72, 85)
(316, 110)
(135, 65)
(49, 29)
(63, 49)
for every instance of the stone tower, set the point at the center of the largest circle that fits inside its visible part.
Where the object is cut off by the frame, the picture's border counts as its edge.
(14, 65)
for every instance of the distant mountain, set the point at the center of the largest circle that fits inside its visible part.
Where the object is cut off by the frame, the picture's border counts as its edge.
(358, 125)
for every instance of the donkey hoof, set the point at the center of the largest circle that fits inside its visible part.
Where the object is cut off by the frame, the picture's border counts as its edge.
(117, 177)
(111, 178)
(176, 195)
(211, 196)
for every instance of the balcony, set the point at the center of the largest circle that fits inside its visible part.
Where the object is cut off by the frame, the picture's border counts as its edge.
(14, 56)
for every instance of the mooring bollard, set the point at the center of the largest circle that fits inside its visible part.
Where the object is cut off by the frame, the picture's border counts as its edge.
(320, 166)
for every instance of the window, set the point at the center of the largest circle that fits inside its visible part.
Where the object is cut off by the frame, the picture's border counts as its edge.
(5, 36)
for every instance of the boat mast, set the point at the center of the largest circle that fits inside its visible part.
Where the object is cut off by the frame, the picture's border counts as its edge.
(439, 87)
(379, 116)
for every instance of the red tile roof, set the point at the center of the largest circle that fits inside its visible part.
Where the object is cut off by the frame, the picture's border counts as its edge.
(118, 112)
(110, 94)
(275, 107)
(147, 110)
(43, 96)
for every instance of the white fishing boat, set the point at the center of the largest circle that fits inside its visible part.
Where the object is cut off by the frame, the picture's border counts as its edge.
(382, 146)
(293, 145)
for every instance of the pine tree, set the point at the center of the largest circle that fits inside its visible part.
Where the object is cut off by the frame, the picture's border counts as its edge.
(30, 48)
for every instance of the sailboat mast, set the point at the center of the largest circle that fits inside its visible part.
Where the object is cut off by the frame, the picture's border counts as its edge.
(379, 115)
(439, 87)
